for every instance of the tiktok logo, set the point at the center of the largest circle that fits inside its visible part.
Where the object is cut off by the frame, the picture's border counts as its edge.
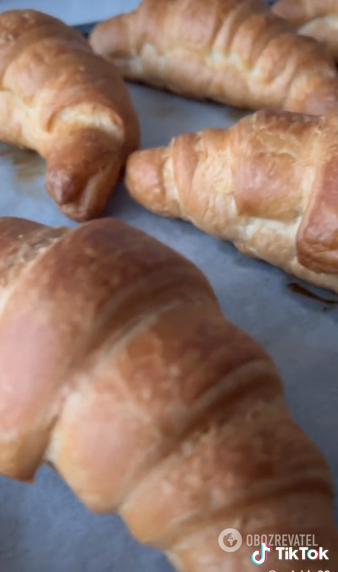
(261, 556)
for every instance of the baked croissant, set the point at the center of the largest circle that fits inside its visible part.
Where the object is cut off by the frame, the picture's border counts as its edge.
(316, 18)
(232, 51)
(131, 383)
(268, 184)
(62, 100)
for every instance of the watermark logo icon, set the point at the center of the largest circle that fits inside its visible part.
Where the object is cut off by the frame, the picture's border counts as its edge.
(261, 556)
(230, 540)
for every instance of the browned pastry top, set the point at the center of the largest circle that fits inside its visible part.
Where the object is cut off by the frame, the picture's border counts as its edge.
(118, 368)
(315, 18)
(268, 184)
(289, 173)
(44, 53)
(68, 104)
(299, 12)
(234, 51)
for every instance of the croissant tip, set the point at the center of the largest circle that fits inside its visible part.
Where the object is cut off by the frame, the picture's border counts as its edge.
(144, 178)
(62, 186)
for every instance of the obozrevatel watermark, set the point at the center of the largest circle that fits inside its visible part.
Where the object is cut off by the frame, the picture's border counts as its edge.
(230, 540)
(287, 546)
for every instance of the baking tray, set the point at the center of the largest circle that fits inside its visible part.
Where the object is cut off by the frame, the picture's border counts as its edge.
(43, 526)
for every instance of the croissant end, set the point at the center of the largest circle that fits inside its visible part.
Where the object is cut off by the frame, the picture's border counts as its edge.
(145, 182)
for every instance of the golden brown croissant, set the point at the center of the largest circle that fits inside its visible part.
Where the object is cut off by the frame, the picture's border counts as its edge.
(316, 18)
(232, 51)
(60, 99)
(118, 368)
(267, 184)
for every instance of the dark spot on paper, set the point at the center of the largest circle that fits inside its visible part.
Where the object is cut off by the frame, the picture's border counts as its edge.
(163, 110)
(158, 108)
(27, 164)
(298, 289)
(236, 114)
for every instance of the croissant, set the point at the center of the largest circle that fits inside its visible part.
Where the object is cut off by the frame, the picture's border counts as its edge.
(134, 387)
(316, 18)
(232, 51)
(62, 100)
(268, 184)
